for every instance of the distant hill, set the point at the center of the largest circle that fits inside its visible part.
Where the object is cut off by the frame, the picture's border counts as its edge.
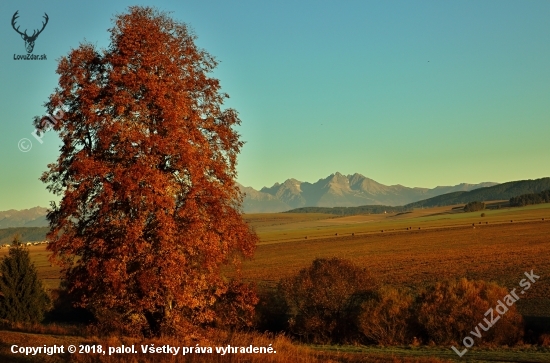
(27, 234)
(496, 192)
(34, 217)
(338, 190)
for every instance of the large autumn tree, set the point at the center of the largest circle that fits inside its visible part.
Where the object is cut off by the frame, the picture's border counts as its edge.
(150, 211)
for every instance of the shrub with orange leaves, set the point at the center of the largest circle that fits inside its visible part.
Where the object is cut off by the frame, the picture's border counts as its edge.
(388, 317)
(450, 310)
(323, 299)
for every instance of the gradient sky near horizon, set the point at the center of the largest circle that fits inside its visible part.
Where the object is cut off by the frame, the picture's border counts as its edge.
(418, 93)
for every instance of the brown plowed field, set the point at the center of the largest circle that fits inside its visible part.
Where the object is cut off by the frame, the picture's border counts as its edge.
(497, 252)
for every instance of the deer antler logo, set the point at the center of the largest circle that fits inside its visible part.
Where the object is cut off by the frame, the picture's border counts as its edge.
(29, 40)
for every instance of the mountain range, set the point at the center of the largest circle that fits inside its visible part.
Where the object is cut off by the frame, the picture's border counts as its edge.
(33, 217)
(338, 190)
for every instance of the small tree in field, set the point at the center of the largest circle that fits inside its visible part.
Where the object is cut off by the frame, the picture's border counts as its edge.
(22, 298)
(150, 211)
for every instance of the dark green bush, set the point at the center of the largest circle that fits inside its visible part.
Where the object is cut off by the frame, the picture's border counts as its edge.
(474, 206)
(532, 198)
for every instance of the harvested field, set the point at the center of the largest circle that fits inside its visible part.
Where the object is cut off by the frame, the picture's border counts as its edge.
(500, 251)
(497, 251)
(415, 249)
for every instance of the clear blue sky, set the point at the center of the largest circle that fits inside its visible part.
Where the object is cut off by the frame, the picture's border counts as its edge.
(418, 93)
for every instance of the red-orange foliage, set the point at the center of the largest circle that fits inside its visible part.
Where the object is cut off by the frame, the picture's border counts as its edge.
(150, 209)
(236, 308)
(323, 300)
(451, 310)
(386, 318)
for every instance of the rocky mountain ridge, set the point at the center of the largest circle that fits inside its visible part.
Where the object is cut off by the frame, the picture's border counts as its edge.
(338, 190)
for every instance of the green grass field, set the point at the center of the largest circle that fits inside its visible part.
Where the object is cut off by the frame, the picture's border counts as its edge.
(286, 227)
